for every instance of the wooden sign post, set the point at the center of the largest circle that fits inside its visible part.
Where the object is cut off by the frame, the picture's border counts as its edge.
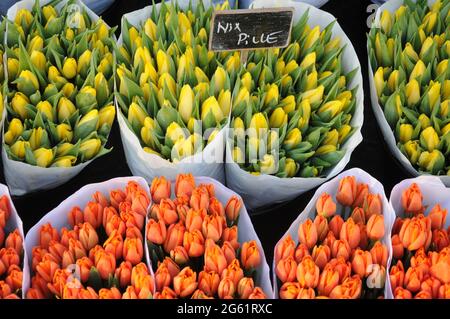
(250, 29)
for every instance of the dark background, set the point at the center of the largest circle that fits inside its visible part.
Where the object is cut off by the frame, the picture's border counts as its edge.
(371, 155)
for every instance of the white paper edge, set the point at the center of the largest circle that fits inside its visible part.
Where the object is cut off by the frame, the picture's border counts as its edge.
(263, 190)
(58, 216)
(331, 187)
(386, 130)
(24, 178)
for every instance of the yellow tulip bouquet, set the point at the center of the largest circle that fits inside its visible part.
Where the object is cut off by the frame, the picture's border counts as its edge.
(175, 94)
(60, 77)
(2, 70)
(409, 52)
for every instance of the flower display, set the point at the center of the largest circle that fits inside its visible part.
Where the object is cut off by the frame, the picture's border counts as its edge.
(60, 79)
(100, 255)
(340, 253)
(409, 53)
(421, 249)
(194, 244)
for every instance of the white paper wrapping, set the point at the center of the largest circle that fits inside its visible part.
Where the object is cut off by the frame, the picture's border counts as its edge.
(246, 232)
(14, 222)
(24, 178)
(209, 162)
(331, 187)
(434, 192)
(387, 131)
(58, 216)
(264, 190)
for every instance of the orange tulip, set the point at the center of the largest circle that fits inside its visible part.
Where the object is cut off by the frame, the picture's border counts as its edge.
(375, 227)
(335, 225)
(363, 240)
(46, 269)
(185, 282)
(306, 293)
(350, 233)
(116, 224)
(245, 287)
(200, 198)
(114, 244)
(100, 198)
(67, 259)
(37, 255)
(67, 234)
(208, 282)
(325, 205)
(440, 239)
(432, 286)
(342, 266)
(14, 279)
(37, 282)
(175, 235)
(123, 273)
(93, 214)
(402, 293)
(179, 255)
(194, 243)
(413, 279)
(5, 205)
(108, 213)
(285, 248)
(307, 233)
(412, 200)
(415, 232)
(373, 205)
(300, 252)
(212, 227)
(250, 255)
(216, 208)
(359, 216)
(234, 272)
(184, 185)
(112, 293)
(423, 295)
(133, 189)
(437, 216)
(444, 291)
(198, 294)
(362, 190)
(144, 286)
(228, 252)
(230, 234)
(166, 293)
(167, 211)
(160, 189)
(75, 216)
(133, 250)
(379, 254)
(173, 268)
(182, 210)
(360, 262)
(350, 288)
(341, 248)
(56, 249)
(397, 247)
(60, 280)
(3, 219)
(321, 255)
(105, 263)
(88, 236)
(15, 241)
(131, 218)
(116, 197)
(289, 290)
(162, 277)
(233, 208)
(397, 275)
(226, 288)
(34, 293)
(76, 248)
(308, 273)
(441, 270)
(46, 234)
(321, 224)
(194, 219)
(130, 293)
(329, 278)
(346, 191)
(286, 269)
(214, 259)
(156, 231)
(397, 226)
(5, 289)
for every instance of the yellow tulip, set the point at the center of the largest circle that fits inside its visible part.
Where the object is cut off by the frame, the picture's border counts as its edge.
(238, 128)
(430, 20)
(273, 141)
(444, 109)
(38, 59)
(219, 78)
(13, 67)
(186, 102)
(278, 118)
(45, 108)
(18, 148)
(68, 89)
(162, 61)
(293, 138)
(412, 91)
(418, 71)
(308, 60)
(106, 115)
(224, 100)
(312, 37)
(288, 104)
(412, 150)
(70, 68)
(344, 130)
(272, 95)
(64, 132)
(167, 79)
(65, 109)
(238, 155)
(380, 83)
(434, 93)
(211, 105)
(386, 21)
(315, 95)
(89, 148)
(393, 80)
(19, 103)
(311, 81)
(268, 165)
(290, 167)
(65, 161)
(150, 29)
(136, 114)
(444, 130)
(27, 82)
(291, 66)
(406, 132)
(329, 110)
(258, 125)
(424, 121)
(15, 129)
(23, 16)
(331, 137)
(442, 67)
(409, 51)
(429, 139)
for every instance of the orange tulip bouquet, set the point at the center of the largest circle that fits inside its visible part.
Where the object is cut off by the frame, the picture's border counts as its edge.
(420, 240)
(12, 255)
(91, 245)
(339, 245)
(202, 244)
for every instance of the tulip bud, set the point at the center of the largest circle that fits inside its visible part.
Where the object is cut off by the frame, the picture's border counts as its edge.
(412, 150)
(83, 62)
(18, 149)
(136, 115)
(432, 161)
(329, 110)
(238, 155)
(224, 100)
(27, 82)
(418, 71)
(15, 129)
(86, 99)
(69, 69)
(278, 118)
(19, 103)
(312, 37)
(386, 21)
(102, 88)
(258, 125)
(314, 96)
(65, 109)
(106, 116)
(38, 59)
(405, 133)
(268, 165)
(219, 78)
(13, 67)
(87, 124)
(272, 96)
(44, 157)
(211, 107)
(150, 29)
(246, 81)
(293, 138)
(429, 139)
(308, 60)
(89, 148)
(434, 93)
(64, 132)
(186, 103)
(380, 83)
(288, 104)
(412, 91)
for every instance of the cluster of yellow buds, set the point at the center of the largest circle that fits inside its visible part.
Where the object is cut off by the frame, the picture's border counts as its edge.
(295, 106)
(60, 81)
(409, 54)
(173, 91)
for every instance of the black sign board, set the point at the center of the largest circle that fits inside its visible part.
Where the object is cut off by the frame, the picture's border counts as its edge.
(250, 29)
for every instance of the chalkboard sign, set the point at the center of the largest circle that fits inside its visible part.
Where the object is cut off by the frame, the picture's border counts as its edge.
(250, 29)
